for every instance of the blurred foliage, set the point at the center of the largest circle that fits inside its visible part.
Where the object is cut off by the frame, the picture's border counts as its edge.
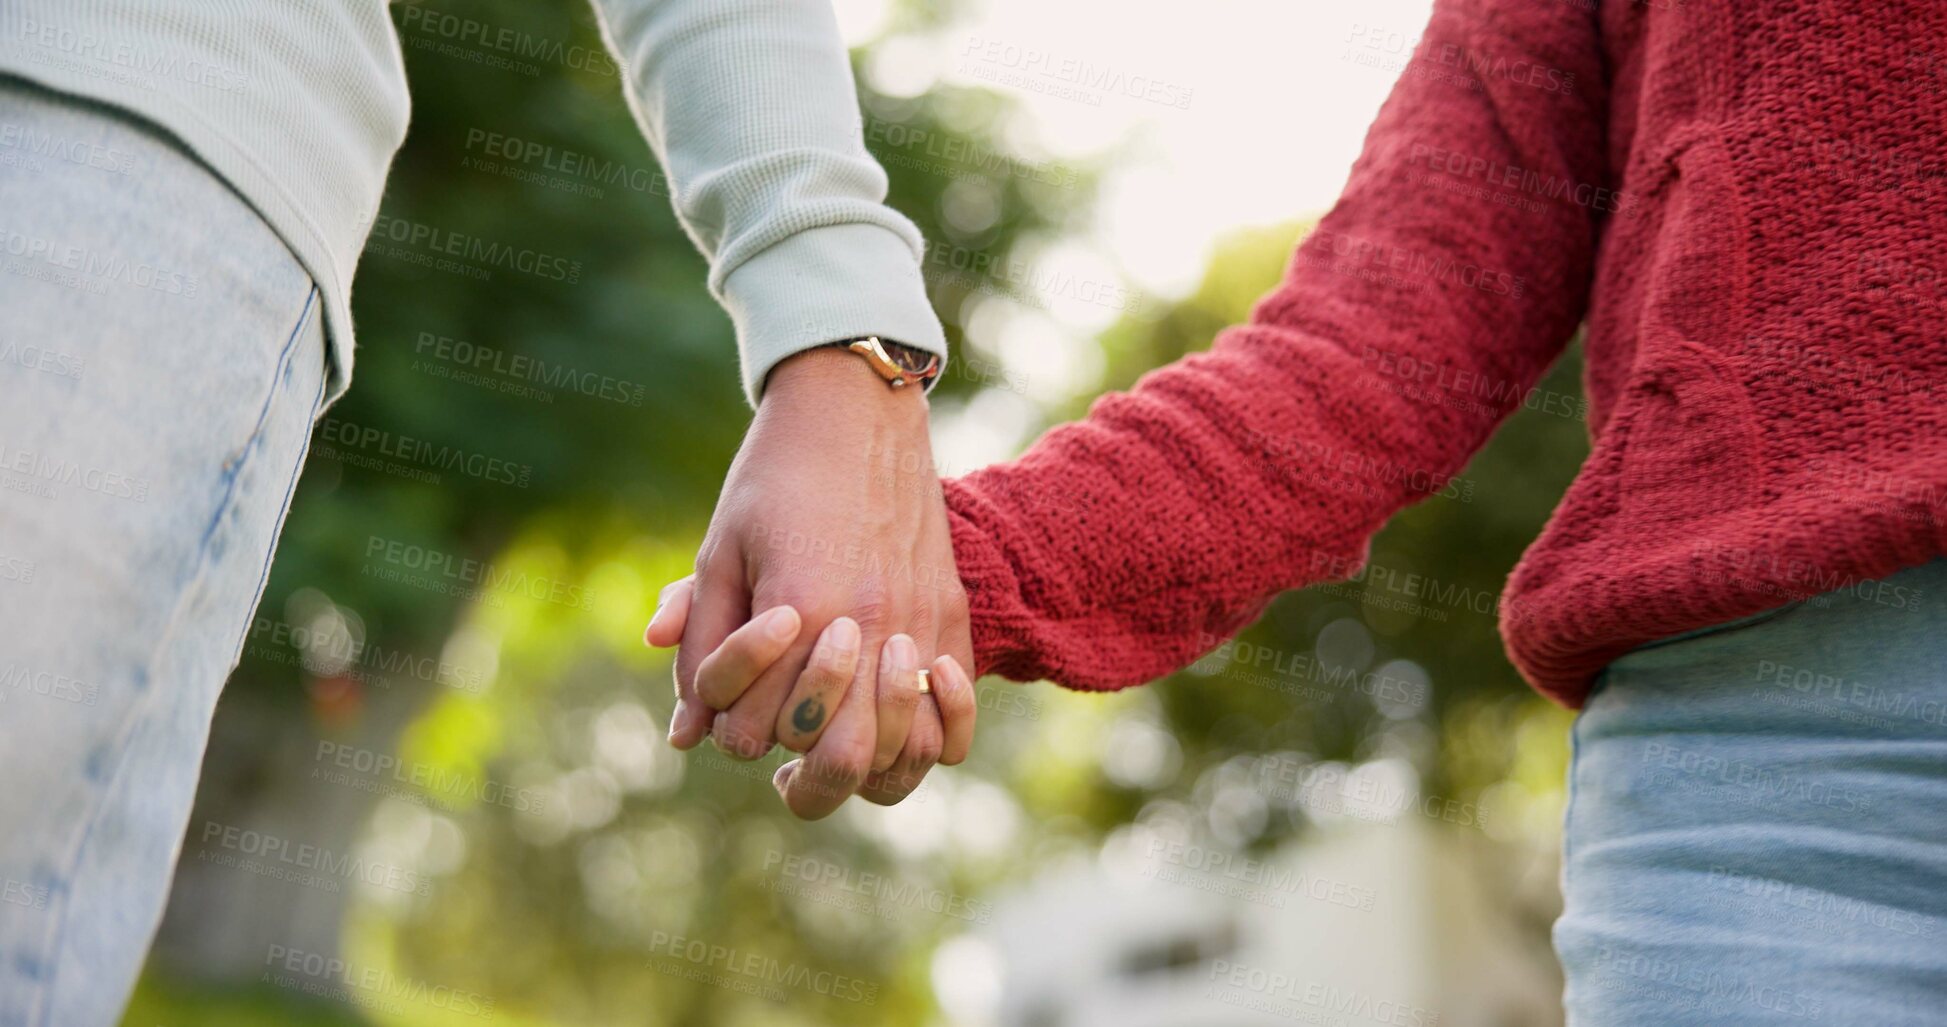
(565, 913)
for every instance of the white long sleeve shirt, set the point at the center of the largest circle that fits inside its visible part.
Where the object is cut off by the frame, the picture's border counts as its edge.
(301, 104)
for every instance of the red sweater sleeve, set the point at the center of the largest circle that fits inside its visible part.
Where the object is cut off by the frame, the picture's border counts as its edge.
(1416, 316)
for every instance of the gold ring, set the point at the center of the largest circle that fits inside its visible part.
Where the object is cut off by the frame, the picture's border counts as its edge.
(925, 681)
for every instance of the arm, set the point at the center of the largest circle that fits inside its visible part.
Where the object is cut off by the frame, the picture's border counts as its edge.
(750, 106)
(1120, 547)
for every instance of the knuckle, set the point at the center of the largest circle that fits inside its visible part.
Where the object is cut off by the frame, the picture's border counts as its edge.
(740, 744)
(707, 671)
(706, 555)
(853, 760)
(825, 675)
(928, 729)
(840, 771)
(873, 618)
(685, 667)
(890, 789)
(923, 621)
(804, 801)
(873, 605)
(900, 781)
(960, 701)
(805, 595)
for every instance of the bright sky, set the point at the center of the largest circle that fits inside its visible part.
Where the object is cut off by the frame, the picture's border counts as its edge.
(1257, 115)
(1245, 112)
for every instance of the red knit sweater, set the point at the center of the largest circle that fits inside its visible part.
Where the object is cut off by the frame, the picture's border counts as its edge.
(1746, 202)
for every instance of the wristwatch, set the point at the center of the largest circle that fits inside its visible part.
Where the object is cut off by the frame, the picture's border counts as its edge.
(900, 365)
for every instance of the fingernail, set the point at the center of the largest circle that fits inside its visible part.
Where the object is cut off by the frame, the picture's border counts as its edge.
(783, 776)
(902, 654)
(843, 636)
(781, 623)
(949, 668)
(662, 610)
(675, 719)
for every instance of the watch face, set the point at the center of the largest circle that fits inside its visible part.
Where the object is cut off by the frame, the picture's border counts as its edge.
(917, 361)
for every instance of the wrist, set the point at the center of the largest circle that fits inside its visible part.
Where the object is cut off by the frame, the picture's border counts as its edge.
(833, 381)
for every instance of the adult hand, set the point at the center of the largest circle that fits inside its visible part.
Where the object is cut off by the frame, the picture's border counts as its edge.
(757, 645)
(832, 508)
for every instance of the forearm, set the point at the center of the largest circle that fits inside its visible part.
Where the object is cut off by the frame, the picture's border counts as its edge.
(1410, 323)
(751, 108)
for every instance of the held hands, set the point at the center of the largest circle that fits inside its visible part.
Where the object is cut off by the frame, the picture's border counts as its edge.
(829, 565)
(914, 730)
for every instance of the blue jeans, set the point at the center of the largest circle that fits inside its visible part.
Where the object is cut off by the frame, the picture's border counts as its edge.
(1757, 822)
(161, 363)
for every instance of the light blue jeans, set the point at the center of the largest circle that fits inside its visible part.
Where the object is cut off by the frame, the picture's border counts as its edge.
(1757, 822)
(161, 363)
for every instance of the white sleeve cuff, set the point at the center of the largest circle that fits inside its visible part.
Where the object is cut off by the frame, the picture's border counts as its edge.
(823, 285)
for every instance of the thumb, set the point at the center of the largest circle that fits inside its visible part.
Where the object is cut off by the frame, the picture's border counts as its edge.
(717, 604)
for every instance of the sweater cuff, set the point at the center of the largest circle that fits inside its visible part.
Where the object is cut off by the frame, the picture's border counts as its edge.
(998, 620)
(824, 285)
